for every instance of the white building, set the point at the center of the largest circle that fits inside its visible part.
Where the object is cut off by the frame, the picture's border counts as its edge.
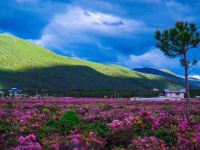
(15, 92)
(166, 95)
(174, 93)
(197, 97)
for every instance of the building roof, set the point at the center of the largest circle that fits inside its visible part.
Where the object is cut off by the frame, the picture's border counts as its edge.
(174, 91)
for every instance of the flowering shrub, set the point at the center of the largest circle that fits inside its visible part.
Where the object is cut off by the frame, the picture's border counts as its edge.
(147, 143)
(168, 135)
(83, 142)
(28, 143)
(97, 124)
(75, 140)
(120, 137)
(101, 128)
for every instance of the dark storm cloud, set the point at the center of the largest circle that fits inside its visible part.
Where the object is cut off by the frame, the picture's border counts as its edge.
(114, 31)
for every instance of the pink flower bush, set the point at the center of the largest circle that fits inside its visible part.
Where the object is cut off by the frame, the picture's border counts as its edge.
(183, 125)
(147, 143)
(28, 143)
(116, 124)
(85, 141)
(1, 113)
(104, 124)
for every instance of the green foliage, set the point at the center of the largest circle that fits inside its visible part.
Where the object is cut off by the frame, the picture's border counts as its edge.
(168, 135)
(100, 128)
(5, 131)
(51, 126)
(100, 104)
(143, 133)
(10, 105)
(69, 120)
(142, 129)
(120, 138)
(7, 127)
(178, 40)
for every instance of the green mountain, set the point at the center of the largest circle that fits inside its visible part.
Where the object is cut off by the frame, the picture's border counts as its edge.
(29, 66)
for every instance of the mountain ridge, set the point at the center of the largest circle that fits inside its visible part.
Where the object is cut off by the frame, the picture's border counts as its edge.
(27, 65)
(168, 74)
(154, 71)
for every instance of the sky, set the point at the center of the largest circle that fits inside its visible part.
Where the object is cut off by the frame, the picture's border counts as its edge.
(105, 31)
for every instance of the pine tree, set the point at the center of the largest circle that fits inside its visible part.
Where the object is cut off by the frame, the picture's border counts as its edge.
(177, 42)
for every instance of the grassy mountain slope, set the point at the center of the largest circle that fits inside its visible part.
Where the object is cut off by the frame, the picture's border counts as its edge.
(26, 65)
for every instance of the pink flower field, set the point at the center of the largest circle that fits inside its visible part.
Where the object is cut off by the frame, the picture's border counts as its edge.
(98, 124)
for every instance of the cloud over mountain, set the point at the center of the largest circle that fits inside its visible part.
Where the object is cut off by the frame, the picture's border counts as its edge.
(100, 30)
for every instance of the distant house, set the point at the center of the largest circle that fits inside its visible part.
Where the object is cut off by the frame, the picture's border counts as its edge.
(167, 94)
(15, 92)
(174, 93)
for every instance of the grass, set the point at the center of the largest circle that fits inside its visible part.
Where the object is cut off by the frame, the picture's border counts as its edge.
(26, 65)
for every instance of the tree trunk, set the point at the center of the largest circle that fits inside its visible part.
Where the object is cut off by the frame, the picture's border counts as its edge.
(187, 87)
(186, 77)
